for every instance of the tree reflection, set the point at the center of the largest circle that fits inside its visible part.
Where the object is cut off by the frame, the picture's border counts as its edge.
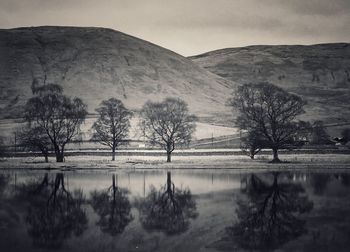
(113, 207)
(54, 213)
(271, 215)
(168, 209)
(319, 182)
(345, 179)
(4, 180)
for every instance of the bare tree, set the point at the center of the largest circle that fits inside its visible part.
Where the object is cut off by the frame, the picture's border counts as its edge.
(269, 111)
(45, 89)
(346, 134)
(304, 132)
(319, 134)
(252, 143)
(56, 114)
(2, 148)
(35, 139)
(167, 123)
(345, 137)
(112, 125)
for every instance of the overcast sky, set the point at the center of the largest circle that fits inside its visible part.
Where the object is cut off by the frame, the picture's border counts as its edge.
(191, 27)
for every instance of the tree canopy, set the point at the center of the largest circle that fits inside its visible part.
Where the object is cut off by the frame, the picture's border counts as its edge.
(252, 143)
(2, 147)
(58, 115)
(167, 123)
(112, 125)
(35, 139)
(319, 134)
(269, 111)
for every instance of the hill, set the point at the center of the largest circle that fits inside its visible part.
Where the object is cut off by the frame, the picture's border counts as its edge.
(318, 73)
(99, 63)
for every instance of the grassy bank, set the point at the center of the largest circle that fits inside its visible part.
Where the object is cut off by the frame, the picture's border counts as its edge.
(297, 161)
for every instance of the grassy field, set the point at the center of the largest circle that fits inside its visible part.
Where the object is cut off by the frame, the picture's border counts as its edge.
(299, 161)
(203, 130)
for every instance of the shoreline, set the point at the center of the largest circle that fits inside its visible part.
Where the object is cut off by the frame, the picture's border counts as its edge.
(213, 162)
(184, 152)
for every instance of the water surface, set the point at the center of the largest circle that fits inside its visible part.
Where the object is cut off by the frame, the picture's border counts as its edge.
(179, 210)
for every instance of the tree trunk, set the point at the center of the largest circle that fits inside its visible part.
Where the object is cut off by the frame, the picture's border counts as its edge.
(113, 154)
(275, 156)
(168, 156)
(169, 149)
(59, 154)
(45, 154)
(251, 153)
(59, 157)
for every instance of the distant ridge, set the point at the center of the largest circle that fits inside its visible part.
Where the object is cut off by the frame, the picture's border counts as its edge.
(319, 73)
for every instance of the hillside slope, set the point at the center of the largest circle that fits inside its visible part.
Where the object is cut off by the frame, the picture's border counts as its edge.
(319, 73)
(98, 63)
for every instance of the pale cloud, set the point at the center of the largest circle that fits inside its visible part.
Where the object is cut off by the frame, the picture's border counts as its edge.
(316, 7)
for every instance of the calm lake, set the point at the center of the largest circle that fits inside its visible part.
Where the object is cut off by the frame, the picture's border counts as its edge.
(178, 210)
